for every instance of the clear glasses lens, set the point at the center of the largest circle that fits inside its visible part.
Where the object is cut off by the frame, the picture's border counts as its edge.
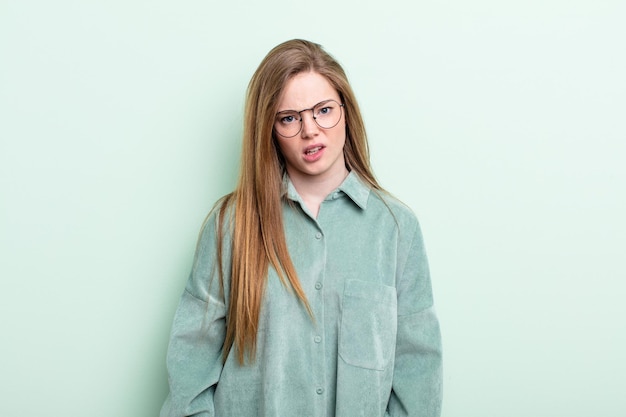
(288, 123)
(326, 114)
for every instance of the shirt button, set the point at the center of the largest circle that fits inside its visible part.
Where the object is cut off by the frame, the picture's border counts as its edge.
(318, 235)
(318, 339)
(318, 285)
(319, 391)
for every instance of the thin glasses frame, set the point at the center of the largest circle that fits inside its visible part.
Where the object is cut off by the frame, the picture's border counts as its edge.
(313, 113)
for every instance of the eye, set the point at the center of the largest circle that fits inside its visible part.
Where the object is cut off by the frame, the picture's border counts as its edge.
(325, 108)
(288, 119)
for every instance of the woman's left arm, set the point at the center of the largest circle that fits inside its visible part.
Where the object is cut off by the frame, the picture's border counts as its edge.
(417, 377)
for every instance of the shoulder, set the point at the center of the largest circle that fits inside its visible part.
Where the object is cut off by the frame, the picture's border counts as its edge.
(384, 202)
(219, 219)
(376, 202)
(212, 251)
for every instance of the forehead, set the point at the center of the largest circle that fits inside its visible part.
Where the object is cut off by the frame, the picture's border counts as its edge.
(305, 90)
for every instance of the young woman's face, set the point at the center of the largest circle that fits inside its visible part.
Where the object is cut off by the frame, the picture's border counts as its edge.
(314, 152)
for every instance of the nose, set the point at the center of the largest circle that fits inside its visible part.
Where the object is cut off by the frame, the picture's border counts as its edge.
(310, 128)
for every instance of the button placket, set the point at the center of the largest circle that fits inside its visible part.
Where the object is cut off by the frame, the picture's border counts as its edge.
(319, 242)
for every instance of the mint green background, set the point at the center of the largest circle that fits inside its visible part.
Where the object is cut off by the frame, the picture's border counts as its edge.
(500, 123)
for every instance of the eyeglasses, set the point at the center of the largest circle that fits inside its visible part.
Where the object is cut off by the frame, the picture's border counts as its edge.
(326, 114)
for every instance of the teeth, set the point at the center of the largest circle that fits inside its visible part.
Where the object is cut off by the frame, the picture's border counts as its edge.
(313, 150)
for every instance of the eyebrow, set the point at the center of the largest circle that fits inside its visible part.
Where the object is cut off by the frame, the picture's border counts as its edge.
(309, 108)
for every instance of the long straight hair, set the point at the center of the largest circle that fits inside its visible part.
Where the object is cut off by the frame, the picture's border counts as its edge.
(258, 236)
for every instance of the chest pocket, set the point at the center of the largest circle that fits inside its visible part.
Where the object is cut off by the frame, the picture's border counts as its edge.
(367, 336)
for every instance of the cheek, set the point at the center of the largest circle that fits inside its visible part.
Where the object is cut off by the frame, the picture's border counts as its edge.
(285, 148)
(341, 132)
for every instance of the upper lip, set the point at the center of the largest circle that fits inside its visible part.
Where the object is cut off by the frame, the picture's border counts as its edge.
(317, 145)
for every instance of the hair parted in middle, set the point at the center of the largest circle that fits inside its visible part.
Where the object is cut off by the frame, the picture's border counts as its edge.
(258, 237)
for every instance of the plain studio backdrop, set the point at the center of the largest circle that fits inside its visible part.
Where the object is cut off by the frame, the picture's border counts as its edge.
(502, 124)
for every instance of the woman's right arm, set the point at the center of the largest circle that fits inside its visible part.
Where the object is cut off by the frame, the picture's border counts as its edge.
(194, 357)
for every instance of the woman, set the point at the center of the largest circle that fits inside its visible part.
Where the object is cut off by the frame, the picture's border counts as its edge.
(310, 293)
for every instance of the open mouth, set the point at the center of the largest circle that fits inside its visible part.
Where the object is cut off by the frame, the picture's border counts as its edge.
(313, 150)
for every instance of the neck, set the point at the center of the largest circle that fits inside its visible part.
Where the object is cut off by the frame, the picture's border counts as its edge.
(313, 189)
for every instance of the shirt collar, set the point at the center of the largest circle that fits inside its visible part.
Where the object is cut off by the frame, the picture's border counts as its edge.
(352, 186)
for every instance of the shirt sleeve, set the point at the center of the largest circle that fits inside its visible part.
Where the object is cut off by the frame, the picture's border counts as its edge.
(417, 378)
(194, 356)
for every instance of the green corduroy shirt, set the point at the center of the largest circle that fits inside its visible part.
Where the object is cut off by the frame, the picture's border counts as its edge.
(373, 347)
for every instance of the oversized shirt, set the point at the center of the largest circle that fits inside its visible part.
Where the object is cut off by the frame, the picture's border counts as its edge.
(372, 347)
